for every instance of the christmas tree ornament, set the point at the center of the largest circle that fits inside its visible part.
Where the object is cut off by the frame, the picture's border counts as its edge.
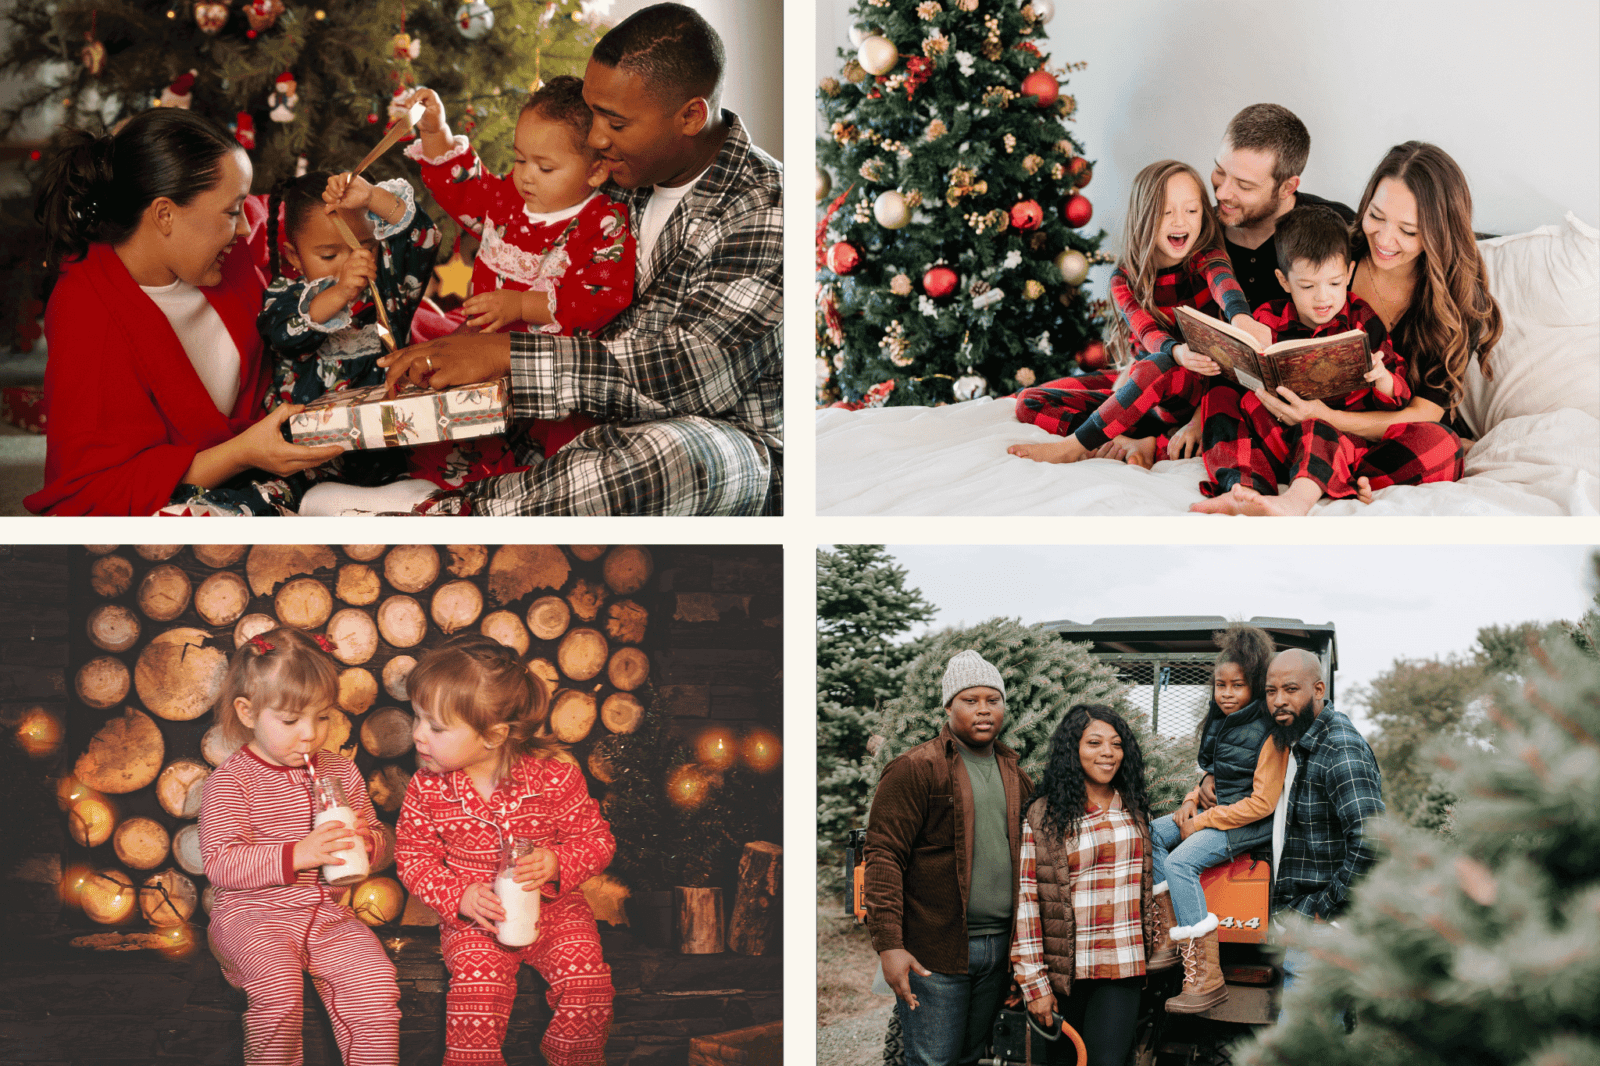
(890, 209)
(1043, 85)
(406, 46)
(1043, 10)
(93, 55)
(474, 20)
(455, 273)
(283, 99)
(262, 14)
(372, 118)
(319, 14)
(211, 17)
(1026, 214)
(300, 165)
(1080, 171)
(1093, 356)
(1078, 211)
(939, 282)
(1074, 266)
(1025, 376)
(824, 184)
(243, 128)
(877, 55)
(969, 387)
(843, 257)
(181, 92)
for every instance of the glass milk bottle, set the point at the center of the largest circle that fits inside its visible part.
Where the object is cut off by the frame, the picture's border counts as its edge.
(521, 924)
(330, 805)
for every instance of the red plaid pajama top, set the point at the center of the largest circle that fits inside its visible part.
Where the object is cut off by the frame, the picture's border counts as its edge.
(1281, 317)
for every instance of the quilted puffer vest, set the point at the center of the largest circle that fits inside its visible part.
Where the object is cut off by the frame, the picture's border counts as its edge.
(1233, 746)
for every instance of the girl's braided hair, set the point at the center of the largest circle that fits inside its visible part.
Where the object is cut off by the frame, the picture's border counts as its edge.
(297, 196)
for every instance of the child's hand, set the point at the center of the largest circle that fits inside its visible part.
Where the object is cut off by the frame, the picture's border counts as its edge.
(535, 868)
(490, 312)
(480, 904)
(1185, 442)
(432, 120)
(357, 273)
(1380, 376)
(349, 191)
(364, 831)
(322, 845)
(1200, 364)
(1259, 330)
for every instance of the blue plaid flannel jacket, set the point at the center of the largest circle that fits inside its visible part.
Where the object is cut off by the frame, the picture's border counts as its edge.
(704, 333)
(1337, 788)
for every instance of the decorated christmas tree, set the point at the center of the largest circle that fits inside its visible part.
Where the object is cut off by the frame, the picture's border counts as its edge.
(1044, 677)
(1482, 946)
(951, 248)
(300, 83)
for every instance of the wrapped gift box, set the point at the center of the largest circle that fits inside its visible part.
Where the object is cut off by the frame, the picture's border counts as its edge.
(23, 406)
(364, 418)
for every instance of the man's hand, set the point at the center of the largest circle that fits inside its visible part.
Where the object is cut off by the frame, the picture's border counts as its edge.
(1043, 1010)
(1187, 829)
(490, 312)
(1208, 791)
(897, 966)
(459, 359)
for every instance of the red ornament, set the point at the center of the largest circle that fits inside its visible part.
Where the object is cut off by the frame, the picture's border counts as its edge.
(1042, 85)
(843, 258)
(1078, 211)
(372, 119)
(35, 155)
(1080, 170)
(1093, 356)
(1026, 214)
(939, 281)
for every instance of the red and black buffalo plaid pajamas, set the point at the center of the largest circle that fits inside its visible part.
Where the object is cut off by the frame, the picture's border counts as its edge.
(1245, 443)
(1159, 395)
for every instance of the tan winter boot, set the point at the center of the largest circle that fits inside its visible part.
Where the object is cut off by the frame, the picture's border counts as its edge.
(1203, 986)
(1163, 955)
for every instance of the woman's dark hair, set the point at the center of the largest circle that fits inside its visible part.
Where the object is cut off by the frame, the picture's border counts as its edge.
(1251, 650)
(96, 188)
(1062, 785)
(298, 197)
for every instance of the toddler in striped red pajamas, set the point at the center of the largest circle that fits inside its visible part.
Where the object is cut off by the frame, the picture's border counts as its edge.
(274, 917)
(485, 776)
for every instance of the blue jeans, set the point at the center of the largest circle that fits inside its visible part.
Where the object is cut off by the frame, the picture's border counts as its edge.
(955, 1013)
(1180, 862)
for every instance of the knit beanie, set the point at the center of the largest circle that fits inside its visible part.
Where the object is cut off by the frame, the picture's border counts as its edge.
(967, 670)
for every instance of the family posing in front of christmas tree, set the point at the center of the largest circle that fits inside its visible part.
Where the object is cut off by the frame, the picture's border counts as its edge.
(1403, 268)
(628, 281)
(976, 882)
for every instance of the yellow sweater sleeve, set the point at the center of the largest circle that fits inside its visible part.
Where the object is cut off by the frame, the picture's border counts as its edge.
(1266, 787)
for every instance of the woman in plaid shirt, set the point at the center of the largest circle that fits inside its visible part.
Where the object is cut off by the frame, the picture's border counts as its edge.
(1085, 918)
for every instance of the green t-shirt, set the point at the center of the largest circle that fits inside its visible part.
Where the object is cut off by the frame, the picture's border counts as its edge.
(990, 902)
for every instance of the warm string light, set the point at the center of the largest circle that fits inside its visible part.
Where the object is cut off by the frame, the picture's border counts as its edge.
(688, 786)
(40, 732)
(761, 751)
(716, 749)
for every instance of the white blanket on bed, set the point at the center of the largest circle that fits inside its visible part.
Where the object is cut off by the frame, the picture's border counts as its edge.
(952, 461)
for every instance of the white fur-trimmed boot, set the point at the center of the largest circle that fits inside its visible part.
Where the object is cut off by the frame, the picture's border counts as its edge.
(1203, 986)
(1163, 955)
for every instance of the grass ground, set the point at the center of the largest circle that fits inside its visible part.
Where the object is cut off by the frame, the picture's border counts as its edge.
(850, 1019)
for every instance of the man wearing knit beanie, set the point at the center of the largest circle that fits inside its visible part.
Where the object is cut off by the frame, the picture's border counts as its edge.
(942, 861)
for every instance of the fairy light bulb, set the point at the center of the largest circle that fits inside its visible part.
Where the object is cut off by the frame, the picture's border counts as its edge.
(761, 751)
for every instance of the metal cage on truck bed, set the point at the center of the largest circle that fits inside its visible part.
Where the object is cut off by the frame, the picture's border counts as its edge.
(1166, 661)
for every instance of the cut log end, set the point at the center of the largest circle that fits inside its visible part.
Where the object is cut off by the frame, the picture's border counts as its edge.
(621, 712)
(518, 569)
(358, 585)
(164, 593)
(110, 576)
(628, 669)
(112, 627)
(506, 628)
(628, 568)
(626, 622)
(549, 617)
(572, 715)
(386, 732)
(304, 603)
(354, 636)
(402, 621)
(411, 567)
(583, 653)
(467, 560)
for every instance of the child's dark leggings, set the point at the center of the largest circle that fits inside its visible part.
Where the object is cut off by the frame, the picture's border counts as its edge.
(1105, 1014)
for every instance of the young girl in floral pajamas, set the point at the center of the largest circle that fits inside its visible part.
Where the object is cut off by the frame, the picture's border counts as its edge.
(1172, 254)
(556, 254)
(486, 776)
(274, 917)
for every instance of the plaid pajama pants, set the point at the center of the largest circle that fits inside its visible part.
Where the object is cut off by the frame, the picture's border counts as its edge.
(483, 983)
(1164, 402)
(265, 950)
(675, 466)
(1244, 443)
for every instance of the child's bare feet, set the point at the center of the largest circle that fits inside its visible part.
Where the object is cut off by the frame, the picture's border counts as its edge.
(1247, 501)
(1140, 452)
(1363, 490)
(1055, 451)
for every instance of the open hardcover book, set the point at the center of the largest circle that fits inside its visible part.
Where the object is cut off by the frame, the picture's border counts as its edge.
(1314, 368)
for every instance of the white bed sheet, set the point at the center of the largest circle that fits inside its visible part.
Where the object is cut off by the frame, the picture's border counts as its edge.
(952, 461)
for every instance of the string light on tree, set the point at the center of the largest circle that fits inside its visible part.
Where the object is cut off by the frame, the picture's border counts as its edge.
(39, 732)
(688, 786)
(715, 749)
(761, 751)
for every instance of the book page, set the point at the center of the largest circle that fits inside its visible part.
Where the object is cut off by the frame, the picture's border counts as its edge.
(1326, 367)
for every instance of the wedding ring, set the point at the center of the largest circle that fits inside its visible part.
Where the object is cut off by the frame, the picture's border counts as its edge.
(430, 362)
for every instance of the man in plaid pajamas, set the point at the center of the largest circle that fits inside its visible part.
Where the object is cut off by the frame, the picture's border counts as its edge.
(1331, 790)
(687, 382)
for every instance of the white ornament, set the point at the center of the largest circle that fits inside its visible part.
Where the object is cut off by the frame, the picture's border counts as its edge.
(1012, 260)
(877, 55)
(890, 209)
(1074, 266)
(969, 387)
(967, 63)
(993, 296)
(1043, 10)
(474, 20)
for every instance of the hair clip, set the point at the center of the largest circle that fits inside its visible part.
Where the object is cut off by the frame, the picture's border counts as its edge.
(261, 645)
(324, 643)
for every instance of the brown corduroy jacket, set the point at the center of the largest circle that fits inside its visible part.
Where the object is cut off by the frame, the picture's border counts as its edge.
(918, 852)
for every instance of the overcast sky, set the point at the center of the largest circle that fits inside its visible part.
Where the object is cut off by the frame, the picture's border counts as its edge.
(1387, 601)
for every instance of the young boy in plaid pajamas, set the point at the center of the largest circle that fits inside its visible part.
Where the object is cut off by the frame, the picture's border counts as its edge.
(1248, 453)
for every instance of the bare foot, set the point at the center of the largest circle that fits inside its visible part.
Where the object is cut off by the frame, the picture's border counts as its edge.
(1056, 451)
(1363, 490)
(1140, 452)
(1247, 501)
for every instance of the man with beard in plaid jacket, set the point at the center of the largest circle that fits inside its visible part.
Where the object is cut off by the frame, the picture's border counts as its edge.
(687, 383)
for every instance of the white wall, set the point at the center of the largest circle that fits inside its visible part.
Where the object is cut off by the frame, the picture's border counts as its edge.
(1511, 91)
(752, 38)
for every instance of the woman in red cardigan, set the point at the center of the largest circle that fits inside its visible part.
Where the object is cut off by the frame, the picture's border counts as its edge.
(155, 384)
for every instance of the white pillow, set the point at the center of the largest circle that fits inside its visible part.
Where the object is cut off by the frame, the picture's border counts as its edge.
(1547, 283)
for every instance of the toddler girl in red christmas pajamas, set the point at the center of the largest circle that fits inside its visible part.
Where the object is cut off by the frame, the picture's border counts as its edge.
(449, 840)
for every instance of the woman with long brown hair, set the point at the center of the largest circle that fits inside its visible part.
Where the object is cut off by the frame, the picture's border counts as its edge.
(1417, 264)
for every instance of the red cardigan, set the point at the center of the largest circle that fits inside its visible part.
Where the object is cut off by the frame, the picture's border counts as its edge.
(127, 412)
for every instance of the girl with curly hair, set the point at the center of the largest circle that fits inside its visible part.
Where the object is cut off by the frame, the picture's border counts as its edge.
(1086, 921)
(1244, 754)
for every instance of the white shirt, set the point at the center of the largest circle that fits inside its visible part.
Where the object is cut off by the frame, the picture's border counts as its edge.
(657, 210)
(205, 339)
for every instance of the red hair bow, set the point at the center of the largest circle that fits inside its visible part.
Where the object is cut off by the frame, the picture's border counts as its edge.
(324, 643)
(261, 645)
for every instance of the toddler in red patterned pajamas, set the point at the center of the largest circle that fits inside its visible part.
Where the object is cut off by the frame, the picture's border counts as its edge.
(275, 918)
(485, 776)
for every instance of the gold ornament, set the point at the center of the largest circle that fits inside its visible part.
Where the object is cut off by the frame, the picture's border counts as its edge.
(1074, 266)
(890, 209)
(1032, 290)
(455, 275)
(824, 184)
(877, 55)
